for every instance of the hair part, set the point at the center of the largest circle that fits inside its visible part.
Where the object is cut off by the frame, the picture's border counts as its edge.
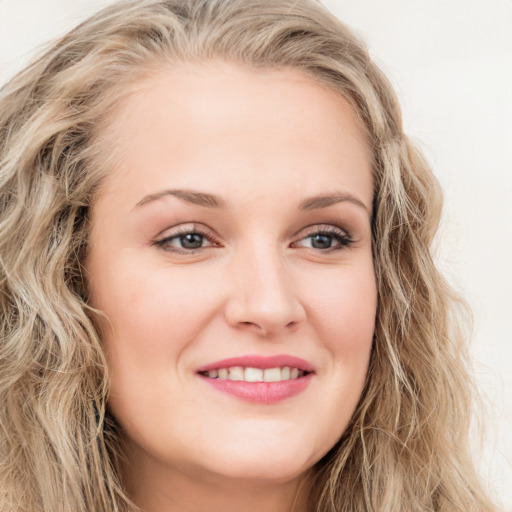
(406, 448)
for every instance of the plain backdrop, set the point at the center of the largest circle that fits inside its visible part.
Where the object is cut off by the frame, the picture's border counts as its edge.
(451, 64)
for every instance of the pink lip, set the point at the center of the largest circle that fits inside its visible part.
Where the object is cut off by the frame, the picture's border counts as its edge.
(260, 392)
(262, 362)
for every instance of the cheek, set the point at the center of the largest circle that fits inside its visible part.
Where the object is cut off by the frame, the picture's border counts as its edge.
(343, 307)
(151, 315)
(151, 320)
(343, 315)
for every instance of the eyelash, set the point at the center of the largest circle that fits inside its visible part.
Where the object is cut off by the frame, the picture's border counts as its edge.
(183, 231)
(340, 237)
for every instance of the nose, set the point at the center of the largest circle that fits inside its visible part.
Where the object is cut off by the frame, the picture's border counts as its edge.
(263, 298)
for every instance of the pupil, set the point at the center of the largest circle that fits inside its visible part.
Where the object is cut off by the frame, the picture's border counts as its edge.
(191, 241)
(322, 241)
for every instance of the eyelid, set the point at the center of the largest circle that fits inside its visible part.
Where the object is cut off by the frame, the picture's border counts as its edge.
(342, 235)
(321, 228)
(184, 229)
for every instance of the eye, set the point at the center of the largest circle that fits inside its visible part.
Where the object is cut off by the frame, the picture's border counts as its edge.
(186, 240)
(325, 239)
(190, 241)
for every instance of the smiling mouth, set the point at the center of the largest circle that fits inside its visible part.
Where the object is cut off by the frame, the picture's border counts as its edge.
(250, 374)
(259, 379)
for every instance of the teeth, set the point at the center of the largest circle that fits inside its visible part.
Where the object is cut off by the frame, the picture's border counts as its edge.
(272, 375)
(236, 373)
(256, 374)
(253, 375)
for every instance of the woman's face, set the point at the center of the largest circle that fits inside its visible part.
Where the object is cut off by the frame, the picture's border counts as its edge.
(231, 253)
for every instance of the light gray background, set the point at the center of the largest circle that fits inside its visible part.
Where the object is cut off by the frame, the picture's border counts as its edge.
(451, 63)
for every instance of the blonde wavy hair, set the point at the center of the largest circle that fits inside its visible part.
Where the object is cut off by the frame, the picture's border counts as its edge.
(406, 448)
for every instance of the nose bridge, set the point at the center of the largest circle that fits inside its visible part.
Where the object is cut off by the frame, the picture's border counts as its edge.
(263, 295)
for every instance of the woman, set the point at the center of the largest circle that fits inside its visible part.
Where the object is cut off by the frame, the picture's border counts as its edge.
(217, 289)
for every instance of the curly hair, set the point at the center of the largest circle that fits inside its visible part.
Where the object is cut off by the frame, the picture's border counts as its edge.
(406, 448)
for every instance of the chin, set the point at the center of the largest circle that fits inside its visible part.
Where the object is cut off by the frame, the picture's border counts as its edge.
(264, 470)
(270, 459)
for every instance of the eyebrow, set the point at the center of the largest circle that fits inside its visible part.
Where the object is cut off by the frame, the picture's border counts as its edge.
(212, 201)
(190, 196)
(323, 201)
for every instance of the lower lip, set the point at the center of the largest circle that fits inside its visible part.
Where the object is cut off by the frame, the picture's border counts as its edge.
(261, 392)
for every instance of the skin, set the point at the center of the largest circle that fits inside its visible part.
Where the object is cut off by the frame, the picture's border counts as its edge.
(262, 142)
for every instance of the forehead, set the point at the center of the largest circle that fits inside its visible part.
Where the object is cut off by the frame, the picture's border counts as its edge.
(221, 121)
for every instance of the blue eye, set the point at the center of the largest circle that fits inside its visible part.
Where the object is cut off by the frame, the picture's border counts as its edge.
(321, 241)
(186, 240)
(190, 240)
(325, 239)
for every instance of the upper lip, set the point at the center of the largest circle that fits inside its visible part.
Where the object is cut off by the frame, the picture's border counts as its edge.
(257, 361)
